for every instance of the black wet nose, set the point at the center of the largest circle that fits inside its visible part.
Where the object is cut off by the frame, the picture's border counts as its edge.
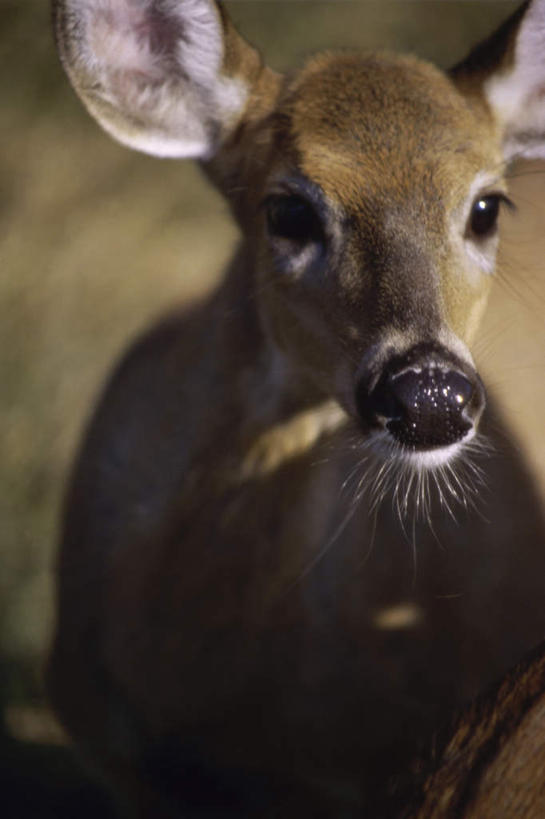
(423, 406)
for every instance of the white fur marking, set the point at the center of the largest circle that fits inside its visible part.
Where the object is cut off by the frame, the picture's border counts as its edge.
(386, 446)
(291, 439)
(152, 77)
(436, 457)
(518, 96)
(481, 254)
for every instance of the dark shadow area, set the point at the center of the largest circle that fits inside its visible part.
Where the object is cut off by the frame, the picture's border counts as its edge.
(48, 782)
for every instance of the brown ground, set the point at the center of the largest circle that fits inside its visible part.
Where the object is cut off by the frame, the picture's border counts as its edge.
(95, 241)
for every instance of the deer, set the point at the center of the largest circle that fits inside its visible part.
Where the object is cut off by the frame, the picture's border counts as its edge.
(297, 537)
(492, 756)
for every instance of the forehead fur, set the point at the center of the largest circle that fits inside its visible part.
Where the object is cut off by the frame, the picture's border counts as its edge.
(391, 123)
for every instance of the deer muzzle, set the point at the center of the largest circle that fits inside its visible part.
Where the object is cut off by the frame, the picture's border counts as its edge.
(425, 399)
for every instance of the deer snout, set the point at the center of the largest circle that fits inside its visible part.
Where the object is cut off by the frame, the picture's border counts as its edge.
(423, 399)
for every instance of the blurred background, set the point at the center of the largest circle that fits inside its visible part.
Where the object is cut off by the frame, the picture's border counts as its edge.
(95, 242)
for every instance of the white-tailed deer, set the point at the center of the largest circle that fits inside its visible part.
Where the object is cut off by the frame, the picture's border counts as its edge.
(492, 764)
(247, 625)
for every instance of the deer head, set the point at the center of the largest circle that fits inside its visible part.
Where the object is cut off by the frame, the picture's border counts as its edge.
(367, 189)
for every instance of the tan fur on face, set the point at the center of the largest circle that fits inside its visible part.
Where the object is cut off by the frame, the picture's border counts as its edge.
(359, 121)
(395, 150)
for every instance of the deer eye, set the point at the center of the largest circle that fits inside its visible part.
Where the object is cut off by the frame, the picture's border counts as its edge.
(483, 221)
(292, 217)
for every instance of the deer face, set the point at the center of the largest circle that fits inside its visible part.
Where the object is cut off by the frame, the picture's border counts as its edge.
(368, 189)
(379, 235)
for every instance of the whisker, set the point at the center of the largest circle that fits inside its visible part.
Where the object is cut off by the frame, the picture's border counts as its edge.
(378, 467)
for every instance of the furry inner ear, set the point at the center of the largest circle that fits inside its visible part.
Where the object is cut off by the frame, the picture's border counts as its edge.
(508, 69)
(517, 95)
(152, 71)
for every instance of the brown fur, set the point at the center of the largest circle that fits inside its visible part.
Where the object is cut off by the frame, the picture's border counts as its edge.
(492, 765)
(222, 606)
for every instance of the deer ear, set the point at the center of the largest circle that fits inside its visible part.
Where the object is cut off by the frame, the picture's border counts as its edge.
(170, 78)
(508, 69)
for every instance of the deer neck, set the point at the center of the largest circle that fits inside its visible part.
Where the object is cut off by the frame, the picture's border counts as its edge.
(279, 413)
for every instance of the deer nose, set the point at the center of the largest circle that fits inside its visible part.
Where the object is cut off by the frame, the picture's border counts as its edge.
(423, 406)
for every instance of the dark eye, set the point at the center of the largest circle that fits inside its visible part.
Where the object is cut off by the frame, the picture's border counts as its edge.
(484, 214)
(291, 217)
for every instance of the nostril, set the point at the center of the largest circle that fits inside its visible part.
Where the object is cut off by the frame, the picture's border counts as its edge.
(457, 389)
(385, 401)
